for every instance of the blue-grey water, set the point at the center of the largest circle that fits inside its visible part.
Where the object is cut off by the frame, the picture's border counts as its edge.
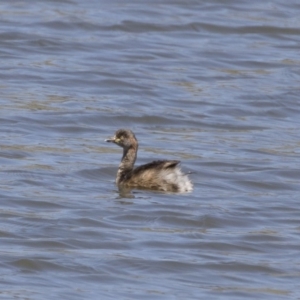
(214, 84)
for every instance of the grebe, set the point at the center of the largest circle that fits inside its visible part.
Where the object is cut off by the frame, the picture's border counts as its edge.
(162, 175)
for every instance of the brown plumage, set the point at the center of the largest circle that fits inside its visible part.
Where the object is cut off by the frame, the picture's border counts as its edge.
(162, 175)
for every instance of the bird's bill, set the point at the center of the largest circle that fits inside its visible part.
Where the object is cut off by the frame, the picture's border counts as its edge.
(110, 140)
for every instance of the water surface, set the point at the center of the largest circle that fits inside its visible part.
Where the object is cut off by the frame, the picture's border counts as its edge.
(213, 84)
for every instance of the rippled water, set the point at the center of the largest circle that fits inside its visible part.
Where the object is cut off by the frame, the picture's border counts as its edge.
(214, 84)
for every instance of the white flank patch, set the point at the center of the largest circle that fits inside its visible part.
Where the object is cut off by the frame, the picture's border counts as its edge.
(175, 176)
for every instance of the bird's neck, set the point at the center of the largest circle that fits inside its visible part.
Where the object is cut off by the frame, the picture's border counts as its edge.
(127, 162)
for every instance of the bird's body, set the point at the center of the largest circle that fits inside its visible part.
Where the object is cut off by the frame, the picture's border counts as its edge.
(162, 175)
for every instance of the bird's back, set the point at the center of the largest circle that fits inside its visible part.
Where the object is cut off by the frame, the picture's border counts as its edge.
(163, 175)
